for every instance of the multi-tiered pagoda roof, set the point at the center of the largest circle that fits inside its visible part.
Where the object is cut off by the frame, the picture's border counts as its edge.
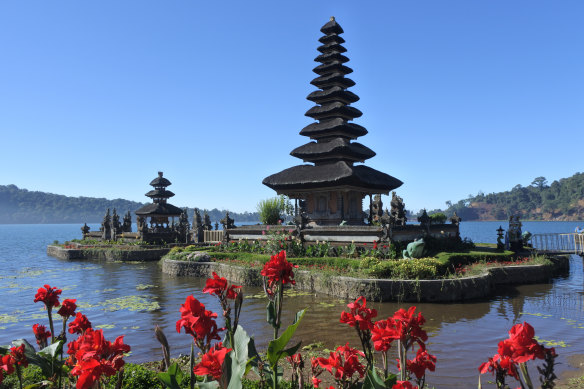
(332, 151)
(159, 196)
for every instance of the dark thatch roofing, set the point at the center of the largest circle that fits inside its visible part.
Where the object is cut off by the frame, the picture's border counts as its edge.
(159, 209)
(332, 175)
(332, 27)
(160, 194)
(335, 93)
(338, 148)
(334, 127)
(160, 181)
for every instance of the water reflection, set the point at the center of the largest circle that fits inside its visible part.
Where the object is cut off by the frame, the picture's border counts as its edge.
(461, 335)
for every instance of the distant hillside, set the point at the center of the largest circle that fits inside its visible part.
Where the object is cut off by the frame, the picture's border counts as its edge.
(562, 200)
(20, 206)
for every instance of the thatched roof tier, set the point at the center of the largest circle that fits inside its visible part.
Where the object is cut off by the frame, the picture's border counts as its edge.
(160, 181)
(159, 209)
(332, 27)
(334, 127)
(331, 46)
(331, 95)
(334, 150)
(333, 110)
(160, 193)
(333, 175)
(333, 79)
(333, 38)
(331, 57)
(332, 67)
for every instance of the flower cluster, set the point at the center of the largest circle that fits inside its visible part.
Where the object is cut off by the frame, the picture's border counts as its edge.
(212, 362)
(278, 269)
(405, 327)
(92, 357)
(514, 352)
(343, 364)
(198, 322)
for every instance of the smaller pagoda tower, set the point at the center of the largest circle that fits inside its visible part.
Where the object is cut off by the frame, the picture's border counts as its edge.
(160, 210)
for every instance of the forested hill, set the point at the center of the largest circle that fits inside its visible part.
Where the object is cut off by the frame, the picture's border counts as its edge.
(20, 206)
(562, 200)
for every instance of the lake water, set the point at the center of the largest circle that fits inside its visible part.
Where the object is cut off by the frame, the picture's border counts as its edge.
(117, 296)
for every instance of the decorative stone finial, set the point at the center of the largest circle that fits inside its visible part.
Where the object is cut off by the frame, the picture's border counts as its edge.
(332, 18)
(159, 174)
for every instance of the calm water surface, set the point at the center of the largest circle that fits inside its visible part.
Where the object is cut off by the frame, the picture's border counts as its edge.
(118, 297)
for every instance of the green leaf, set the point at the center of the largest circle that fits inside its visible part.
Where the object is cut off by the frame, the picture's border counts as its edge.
(208, 385)
(276, 346)
(238, 358)
(53, 350)
(173, 377)
(373, 381)
(271, 314)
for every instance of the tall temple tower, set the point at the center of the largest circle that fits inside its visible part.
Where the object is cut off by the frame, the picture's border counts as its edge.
(333, 188)
(160, 210)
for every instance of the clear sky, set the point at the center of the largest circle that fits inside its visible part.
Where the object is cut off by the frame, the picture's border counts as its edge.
(459, 96)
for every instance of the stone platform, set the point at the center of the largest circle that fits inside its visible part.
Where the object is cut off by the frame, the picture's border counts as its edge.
(434, 291)
(107, 254)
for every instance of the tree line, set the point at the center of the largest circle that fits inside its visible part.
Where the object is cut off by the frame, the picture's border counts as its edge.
(21, 206)
(561, 200)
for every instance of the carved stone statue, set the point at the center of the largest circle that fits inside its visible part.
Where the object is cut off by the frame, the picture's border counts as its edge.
(116, 225)
(385, 221)
(85, 229)
(377, 208)
(424, 220)
(198, 236)
(414, 249)
(398, 211)
(183, 227)
(127, 224)
(227, 222)
(514, 235)
(455, 219)
(142, 225)
(106, 226)
(207, 222)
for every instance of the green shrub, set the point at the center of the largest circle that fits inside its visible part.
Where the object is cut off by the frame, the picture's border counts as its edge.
(30, 375)
(135, 377)
(437, 218)
(270, 210)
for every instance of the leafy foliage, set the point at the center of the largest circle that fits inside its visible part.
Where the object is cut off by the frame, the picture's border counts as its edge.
(562, 200)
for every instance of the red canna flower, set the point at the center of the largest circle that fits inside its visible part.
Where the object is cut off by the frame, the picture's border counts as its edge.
(422, 362)
(80, 324)
(41, 334)
(93, 357)
(7, 363)
(48, 295)
(360, 315)
(408, 327)
(383, 334)
(18, 357)
(279, 269)
(218, 286)
(343, 363)
(316, 382)
(198, 322)
(68, 308)
(500, 365)
(521, 345)
(212, 362)
(375, 245)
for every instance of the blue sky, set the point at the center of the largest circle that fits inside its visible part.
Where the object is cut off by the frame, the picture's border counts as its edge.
(458, 96)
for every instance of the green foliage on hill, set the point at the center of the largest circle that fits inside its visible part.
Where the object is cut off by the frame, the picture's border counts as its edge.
(562, 200)
(20, 206)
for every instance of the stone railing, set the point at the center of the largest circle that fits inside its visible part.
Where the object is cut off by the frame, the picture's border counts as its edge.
(213, 236)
